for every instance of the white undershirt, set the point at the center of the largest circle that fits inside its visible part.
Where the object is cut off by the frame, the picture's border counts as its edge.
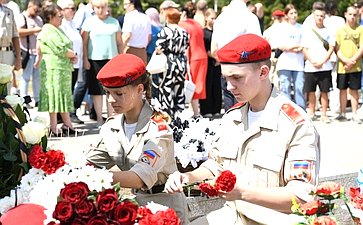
(129, 129)
(253, 117)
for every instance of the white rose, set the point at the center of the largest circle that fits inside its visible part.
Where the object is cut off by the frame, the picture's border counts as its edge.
(6, 73)
(14, 100)
(33, 132)
(43, 120)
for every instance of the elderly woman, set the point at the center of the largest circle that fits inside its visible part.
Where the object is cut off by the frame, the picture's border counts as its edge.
(55, 58)
(101, 35)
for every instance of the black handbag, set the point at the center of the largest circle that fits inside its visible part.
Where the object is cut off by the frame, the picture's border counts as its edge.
(24, 58)
(25, 55)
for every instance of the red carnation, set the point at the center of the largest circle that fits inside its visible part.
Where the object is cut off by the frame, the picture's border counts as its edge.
(329, 190)
(208, 189)
(37, 157)
(310, 208)
(125, 212)
(143, 211)
(75, 192)
(55, 160)
(63, 211)
(324, 220)
(225, 181)
(107, 200)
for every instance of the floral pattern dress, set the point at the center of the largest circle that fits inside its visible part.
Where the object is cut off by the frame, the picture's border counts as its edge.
(55, 71)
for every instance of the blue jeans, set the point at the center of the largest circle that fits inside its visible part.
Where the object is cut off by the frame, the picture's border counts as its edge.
(34, 74)
(288, 76)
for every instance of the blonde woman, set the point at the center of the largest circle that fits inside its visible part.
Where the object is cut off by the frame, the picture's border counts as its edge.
(101, 35)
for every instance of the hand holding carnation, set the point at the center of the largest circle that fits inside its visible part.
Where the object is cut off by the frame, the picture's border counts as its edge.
(224, 183)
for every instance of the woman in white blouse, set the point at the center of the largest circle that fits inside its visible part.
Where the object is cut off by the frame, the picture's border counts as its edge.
(69, 28)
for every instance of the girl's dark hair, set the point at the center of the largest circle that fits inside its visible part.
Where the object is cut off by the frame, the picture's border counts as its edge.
(145, 80)
(50, 11)
(189, 9)
(137, 4)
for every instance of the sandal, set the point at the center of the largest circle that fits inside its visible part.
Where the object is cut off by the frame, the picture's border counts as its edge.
(59, 133)
(325, 119)
(68, 130)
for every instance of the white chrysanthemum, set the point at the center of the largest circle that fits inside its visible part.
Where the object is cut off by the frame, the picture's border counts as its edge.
(15, 198)
(155, 207)
(200, 132)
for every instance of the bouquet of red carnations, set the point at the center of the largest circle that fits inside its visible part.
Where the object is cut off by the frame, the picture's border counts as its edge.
(78, 205)
(225, 182)
(320, 211)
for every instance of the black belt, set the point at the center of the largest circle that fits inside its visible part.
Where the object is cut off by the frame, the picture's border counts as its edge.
(156, 189)
(6, 49)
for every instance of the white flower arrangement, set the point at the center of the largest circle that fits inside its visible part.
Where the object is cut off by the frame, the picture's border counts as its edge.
(193, 138)
(42, 189)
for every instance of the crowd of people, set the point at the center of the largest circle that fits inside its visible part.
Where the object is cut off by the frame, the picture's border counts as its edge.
(255, 75)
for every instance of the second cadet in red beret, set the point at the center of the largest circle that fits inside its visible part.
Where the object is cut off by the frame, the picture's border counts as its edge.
(266, 140)
(245, 48)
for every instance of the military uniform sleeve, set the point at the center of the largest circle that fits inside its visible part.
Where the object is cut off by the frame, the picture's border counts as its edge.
(302, 161)
(155, 153)
(107, 146)
(98, 156)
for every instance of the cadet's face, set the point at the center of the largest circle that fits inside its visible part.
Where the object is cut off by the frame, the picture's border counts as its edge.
(122, 99)
(243, 80)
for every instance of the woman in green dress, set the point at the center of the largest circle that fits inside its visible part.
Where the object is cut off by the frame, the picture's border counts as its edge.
(56, 60)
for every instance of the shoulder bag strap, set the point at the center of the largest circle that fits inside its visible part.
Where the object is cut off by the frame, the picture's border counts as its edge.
(27, 37)
(318, 35)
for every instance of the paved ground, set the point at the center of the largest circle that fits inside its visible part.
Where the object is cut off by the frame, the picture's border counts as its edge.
(341, 143)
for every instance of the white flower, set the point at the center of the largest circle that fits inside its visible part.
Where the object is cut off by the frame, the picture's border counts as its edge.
(155, 207)
(6, 73)
(42, 119)
(33, 132)
(14, 100)
(196, 139)
(16, 198)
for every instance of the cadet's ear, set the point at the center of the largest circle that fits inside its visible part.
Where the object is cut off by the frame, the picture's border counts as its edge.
(265, 71)
(140, 89)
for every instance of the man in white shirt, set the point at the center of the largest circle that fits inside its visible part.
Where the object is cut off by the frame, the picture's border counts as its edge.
(235, 20)
(29, 25)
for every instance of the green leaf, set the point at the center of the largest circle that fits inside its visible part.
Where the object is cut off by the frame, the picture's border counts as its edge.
(44, 142)
(21, 115)
(9, 156)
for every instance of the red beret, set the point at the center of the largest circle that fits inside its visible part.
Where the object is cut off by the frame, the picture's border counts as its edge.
(121, 70)
(246, 48)
(277, 13)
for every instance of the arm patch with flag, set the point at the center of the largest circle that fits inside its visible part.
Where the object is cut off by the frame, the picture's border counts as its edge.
(302, 170)
(149, 157)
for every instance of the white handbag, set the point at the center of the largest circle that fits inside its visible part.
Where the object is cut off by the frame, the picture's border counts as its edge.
(189, 88)
(157, 64)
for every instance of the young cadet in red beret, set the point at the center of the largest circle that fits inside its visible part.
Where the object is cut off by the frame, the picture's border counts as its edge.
(136, 144)
(266, 140)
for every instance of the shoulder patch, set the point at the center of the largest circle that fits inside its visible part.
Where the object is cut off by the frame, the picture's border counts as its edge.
(292, 113)
(236, 106)
(160, 122)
